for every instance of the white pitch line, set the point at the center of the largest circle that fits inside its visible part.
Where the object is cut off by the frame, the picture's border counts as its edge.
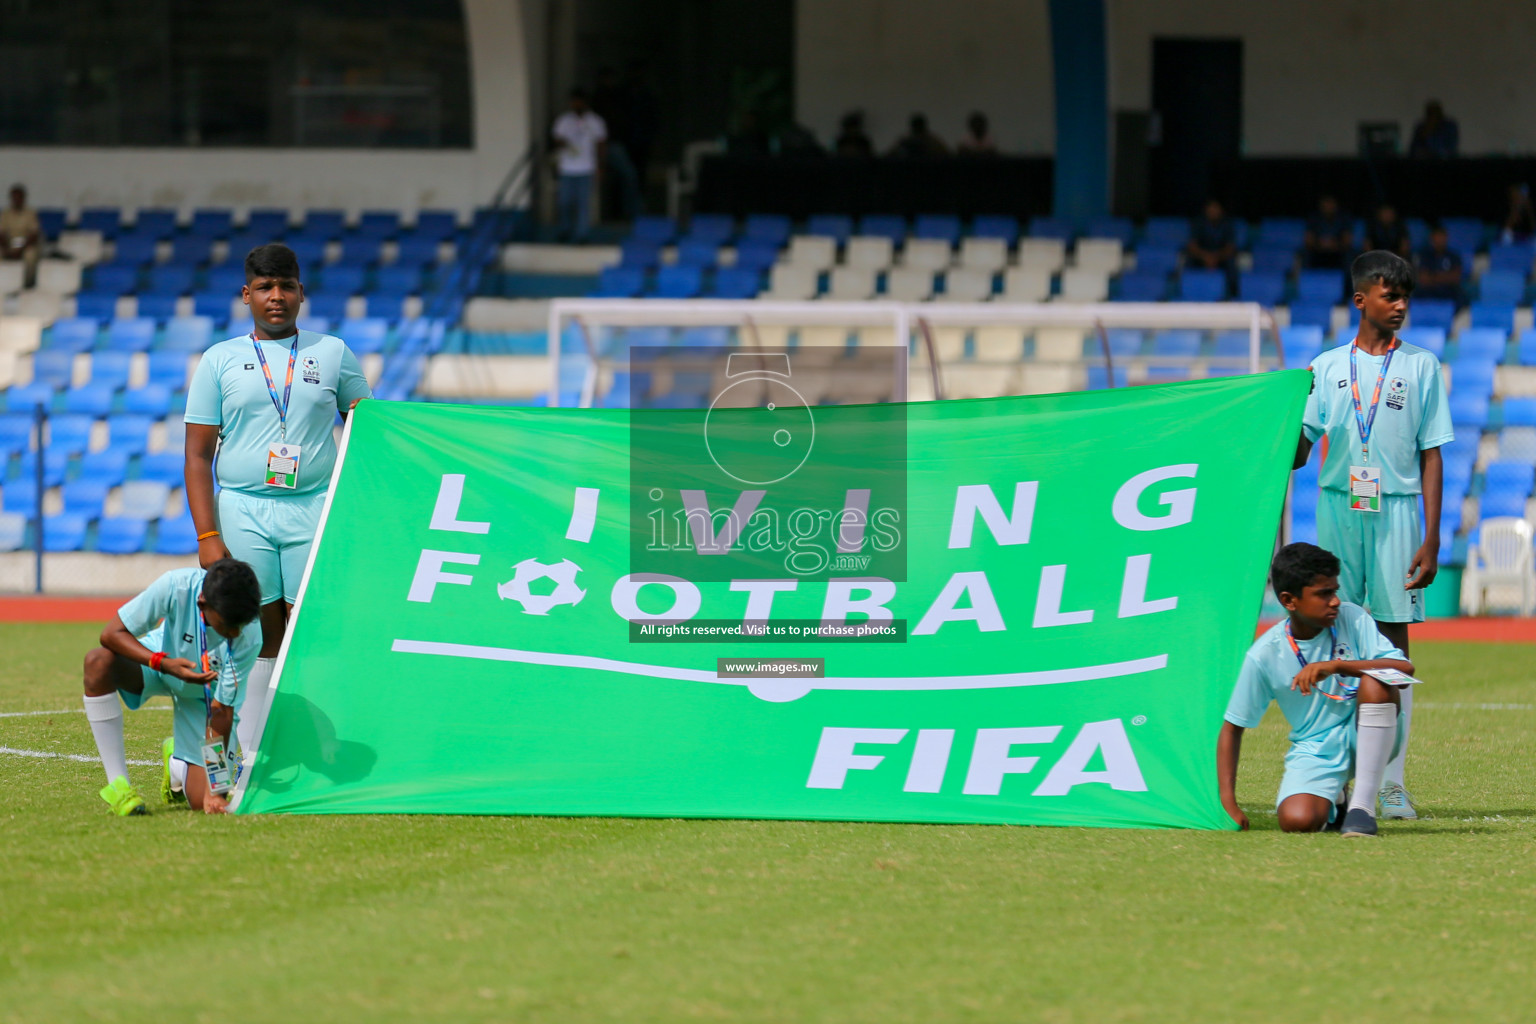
(70, 711)
(1438, 706)
(14, 752)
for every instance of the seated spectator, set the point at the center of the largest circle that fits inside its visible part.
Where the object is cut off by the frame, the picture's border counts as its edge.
(1328, 236)
(1520, 221)
(919, 141)
(1385, 231)
(1212, 240)
(1437, 269)
(21, 236)
(851, 140)
(1435, 136)
(977, 140)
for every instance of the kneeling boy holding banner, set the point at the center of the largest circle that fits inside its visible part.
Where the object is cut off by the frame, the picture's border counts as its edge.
(1342, 704)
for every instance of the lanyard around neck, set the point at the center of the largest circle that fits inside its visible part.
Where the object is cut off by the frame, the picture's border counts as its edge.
(293, 355)
(1363, 420)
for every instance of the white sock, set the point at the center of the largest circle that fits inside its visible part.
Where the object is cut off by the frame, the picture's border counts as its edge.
(105, 714)
(178, 775)
(1405, 719)
(253, 708)
(1377, 728)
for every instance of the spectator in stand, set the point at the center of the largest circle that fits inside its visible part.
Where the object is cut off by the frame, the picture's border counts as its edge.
(1437, 269)
(610, 101)
(919, 141)
(852, 140)
(1385, 231)
(1212, 241)
(977, 140)
(1435, 136)
(1520, 221)
(21, 236)
(1328, 236)
(580, 141)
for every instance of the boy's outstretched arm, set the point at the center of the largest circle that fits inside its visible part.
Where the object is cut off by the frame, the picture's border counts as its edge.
(1425, 565)
(1229, 747)
(1316, 672)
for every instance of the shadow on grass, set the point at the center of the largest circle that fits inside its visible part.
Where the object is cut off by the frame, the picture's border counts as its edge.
(300, 735)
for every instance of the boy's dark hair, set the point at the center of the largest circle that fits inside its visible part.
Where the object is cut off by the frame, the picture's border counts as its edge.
(272, 260)
(230, 588)
(1297, 565)
(1380, 265)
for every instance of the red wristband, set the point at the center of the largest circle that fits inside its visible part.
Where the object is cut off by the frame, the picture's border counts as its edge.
(155, 660)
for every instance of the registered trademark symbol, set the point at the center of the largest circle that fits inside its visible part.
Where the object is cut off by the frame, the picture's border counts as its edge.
(1139, 720)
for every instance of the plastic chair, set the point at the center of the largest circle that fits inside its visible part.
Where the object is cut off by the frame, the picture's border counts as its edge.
(364, 335)
(1481, 344)
(1430, 339)
(64, 532)
(1140, 287)
(619, 283)
(942, 227)
(134, 334)
(1202, 286)
(120, 536)
(1267, 289)
(1432, 313)
(999, 226)
(1503, 556)
(1503, 287)
(771, 228)
(185, 334)
(830, 225)
(108, 466)
(85, 497)
(1500, 316)
(176, 537)
(75, 334)
(1184, 343)
(884, 225)
(678, 282)
(211, 223)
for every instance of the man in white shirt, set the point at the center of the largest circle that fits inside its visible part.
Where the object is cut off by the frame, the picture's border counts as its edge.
(580, 143)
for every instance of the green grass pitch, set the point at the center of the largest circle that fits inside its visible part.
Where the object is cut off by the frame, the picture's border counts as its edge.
(179, 918)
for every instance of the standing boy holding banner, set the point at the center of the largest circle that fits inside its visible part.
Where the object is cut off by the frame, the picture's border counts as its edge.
(1382, 406)
(266, 403)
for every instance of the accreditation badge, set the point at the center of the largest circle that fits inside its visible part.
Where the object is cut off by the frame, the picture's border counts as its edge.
(283, 465)
(216, 764)
(1365, 488)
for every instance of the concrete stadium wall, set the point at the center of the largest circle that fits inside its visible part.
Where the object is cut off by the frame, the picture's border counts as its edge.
(349, 179)
(1313, 69)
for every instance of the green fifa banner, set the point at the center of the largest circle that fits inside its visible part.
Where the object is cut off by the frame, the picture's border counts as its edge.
(1018, 610)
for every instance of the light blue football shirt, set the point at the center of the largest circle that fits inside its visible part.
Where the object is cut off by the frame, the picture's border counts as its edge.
(1412, 415)
(173, 597)
(229, 391)
(1270, 665)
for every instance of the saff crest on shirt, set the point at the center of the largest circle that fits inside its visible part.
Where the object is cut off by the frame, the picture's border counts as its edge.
(311, 369)
(1397, 394)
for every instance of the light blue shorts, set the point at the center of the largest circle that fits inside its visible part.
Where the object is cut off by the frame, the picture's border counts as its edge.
(188, 707)
(1375, 550)
(273, 535)
(1323, 765)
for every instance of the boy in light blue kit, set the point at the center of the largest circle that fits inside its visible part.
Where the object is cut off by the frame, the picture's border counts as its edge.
(192, 637)
(1317, 664)
(1382, 406)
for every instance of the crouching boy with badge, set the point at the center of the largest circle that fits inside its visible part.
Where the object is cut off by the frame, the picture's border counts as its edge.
(1336, 679)
(192, 637)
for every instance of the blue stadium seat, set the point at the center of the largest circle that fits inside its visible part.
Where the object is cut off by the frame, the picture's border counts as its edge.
(240, 245)
(326, 305)
(191, 250)
(830, 225)
(361, 250)
(110, 369)
(1483, 344)
(379, 223)
(187, 334)
(20, 496)
(89, 399)
(996, 225)
(884, 225)
(171, 278)
(156, 308)
(639, 254)
(1111, 227)
(112, 278)
(771, 228)
(737, 283)
(162, 467)
(76, 334)
(943, 227)
(1124, 342)
(1156, 258)
(758, 256)
(108, 466)
(1166, 232)
(55, 463)
(692, 252)
(619, 283)
(397, 280)
(416, 250)
(149, 400)
(70, 433)
(327, 224)
(15, 435)
(176, 537)
(155, 223)
(1464, 232)
(134, 334)
(228, 278)
(145, 499)
(53, 367)
(712, 227)
(85, 497)
(1472, 376)
(1140, 287)
(1166, 373)
(647, 337)
(1274, 261)
(1512, 258)
(1432, 313)
(1469, 408)
(13, 531)
(1098, 377)
(678, 282)
(310, 250)
(438, 225)
(653, 229)
(1493, 314)
(1430, 339)
(1176, 343)
(1302, 343)
(342, 279)
(106, 219)
(134, 250)
(1520, 412)
(1052, 227)
(1230, 344)
(211, 223)
(128, 433)
(64, 532)
(1267, 289)
(51, 221)
(1502, 287)
(1287, 233)
(215, 306)
(1202, 286)
(364, 335)
(26, 397)
(1320, 286)
(116, 535)
(270, 224)
(96, 305)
